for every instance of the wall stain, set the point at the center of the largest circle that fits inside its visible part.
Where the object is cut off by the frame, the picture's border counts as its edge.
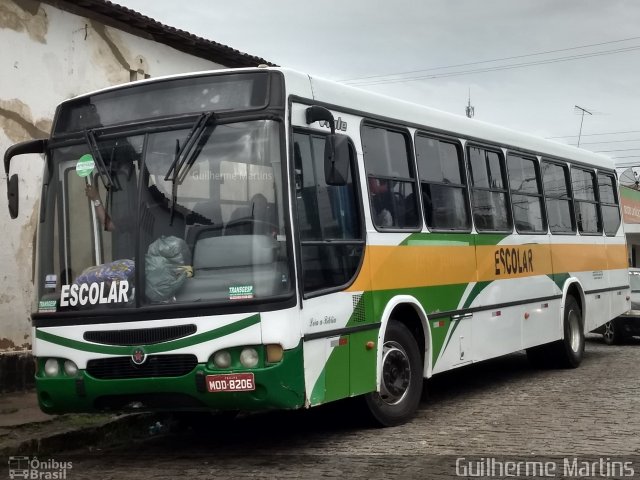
(17, 122)
(25, 16)
(116, 51)
(4, 298)
(7, 344)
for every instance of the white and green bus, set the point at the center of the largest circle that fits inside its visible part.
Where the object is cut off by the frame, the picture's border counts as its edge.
(259, 239)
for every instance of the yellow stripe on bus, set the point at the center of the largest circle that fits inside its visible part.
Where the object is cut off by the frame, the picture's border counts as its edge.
(396, 267)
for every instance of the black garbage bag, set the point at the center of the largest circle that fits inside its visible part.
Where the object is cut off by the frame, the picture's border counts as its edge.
(166, 268)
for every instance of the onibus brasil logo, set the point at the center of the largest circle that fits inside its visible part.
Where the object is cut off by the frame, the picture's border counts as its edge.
(32, 468)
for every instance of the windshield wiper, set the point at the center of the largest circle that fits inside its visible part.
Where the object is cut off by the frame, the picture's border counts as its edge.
(90, 138)
(186, 156)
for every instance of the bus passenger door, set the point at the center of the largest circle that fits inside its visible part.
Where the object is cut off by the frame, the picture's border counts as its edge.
(331, 246)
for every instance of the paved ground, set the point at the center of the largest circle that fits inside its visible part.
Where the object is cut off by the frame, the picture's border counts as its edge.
(502, 408)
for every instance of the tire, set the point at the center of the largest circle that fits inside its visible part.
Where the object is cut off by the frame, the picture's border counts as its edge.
(565, 353)
(401, 379)
(612, 333)
(568, 352)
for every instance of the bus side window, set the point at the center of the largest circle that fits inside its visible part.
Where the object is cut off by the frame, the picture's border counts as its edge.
(443, 183)
(557, 192)
(526, 194)
(488, 190)
(586, 205)
(609, 203)
(391, 179)
(331, 237)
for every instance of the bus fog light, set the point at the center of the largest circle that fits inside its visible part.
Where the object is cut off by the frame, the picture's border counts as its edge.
(51, 367)
(274, 353)
(249, 357)
(70, 368)
(222, 359)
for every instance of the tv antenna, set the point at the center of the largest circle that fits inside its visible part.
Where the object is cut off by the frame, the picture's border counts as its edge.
(469, 110)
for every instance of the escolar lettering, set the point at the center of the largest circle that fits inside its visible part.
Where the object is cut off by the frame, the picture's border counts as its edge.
(94, 294)
(513, 260)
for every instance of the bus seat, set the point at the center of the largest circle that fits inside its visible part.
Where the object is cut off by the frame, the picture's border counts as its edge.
(220, 262)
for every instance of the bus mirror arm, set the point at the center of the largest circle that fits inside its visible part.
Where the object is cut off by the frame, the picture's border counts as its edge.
(22, 148)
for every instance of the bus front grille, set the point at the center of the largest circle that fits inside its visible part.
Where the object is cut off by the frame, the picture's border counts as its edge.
(140, 336)
(154, 366)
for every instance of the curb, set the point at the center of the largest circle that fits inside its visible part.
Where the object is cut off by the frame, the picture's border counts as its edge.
(109, 432)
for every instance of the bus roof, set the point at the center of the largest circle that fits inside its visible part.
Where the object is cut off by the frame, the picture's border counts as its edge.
(377, 106)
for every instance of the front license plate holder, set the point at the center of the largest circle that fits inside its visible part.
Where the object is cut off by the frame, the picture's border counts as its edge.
(231, 382)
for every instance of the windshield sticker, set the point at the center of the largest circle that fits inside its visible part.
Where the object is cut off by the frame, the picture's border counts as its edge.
(241, 292)
(50, 281)
(85, 165)
(47, 306)
(94, 294)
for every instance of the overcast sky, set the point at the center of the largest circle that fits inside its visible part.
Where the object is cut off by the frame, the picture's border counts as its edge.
(595, 61)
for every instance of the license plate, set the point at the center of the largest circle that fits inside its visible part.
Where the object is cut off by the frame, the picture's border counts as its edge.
(232, 382)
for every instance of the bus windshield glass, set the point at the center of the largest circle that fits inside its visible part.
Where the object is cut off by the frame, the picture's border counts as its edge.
(177, 225)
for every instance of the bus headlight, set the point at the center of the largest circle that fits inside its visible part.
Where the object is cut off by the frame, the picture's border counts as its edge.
(70, 368)
(222, 359)
(249, 357)
(51, 367)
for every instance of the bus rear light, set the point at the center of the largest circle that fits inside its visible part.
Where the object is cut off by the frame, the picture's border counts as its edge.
(274, 353)
(249, 357)
(51, 367)
(222, 359)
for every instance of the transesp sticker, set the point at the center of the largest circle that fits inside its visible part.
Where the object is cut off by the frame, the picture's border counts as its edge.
(85, 165)
(94, 294)
(47, 306)
(241, 292)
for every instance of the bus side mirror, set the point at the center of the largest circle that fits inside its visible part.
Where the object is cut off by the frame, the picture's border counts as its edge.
(13, 196)
(336, 159)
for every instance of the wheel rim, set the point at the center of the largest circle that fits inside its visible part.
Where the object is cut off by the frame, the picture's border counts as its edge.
(396, 373)
(574, 330)
(608, 331)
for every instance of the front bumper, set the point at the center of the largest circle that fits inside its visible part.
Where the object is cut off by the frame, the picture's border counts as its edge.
(279, 386)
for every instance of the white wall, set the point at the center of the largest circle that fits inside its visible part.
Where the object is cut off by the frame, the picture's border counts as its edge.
(46, 56)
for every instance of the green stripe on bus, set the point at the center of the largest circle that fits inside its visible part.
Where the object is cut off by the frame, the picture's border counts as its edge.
(155, 348)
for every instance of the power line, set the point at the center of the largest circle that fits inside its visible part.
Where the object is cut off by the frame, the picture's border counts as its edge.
(610, 141)
(595, 134)
(490, 61)
(499, 68)
(620, 150)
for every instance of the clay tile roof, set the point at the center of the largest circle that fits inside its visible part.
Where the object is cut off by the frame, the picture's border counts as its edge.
(133, 22)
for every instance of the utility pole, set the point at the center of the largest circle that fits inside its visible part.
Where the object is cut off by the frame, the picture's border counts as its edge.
(469, 109)
(582, 120)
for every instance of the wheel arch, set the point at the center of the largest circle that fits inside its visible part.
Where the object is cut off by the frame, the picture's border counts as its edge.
(407, 310)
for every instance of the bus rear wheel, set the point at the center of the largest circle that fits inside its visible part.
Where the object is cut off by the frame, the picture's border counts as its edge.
(400, 381)
(567, 352)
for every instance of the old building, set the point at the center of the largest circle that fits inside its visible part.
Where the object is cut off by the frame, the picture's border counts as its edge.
(53, 50)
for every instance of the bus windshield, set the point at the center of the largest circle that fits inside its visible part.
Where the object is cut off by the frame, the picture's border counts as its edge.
(176, 225)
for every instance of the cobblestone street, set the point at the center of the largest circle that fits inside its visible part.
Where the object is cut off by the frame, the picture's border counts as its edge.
(501, 408)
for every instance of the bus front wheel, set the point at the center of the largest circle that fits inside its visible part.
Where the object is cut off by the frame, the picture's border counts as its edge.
(400, 381)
